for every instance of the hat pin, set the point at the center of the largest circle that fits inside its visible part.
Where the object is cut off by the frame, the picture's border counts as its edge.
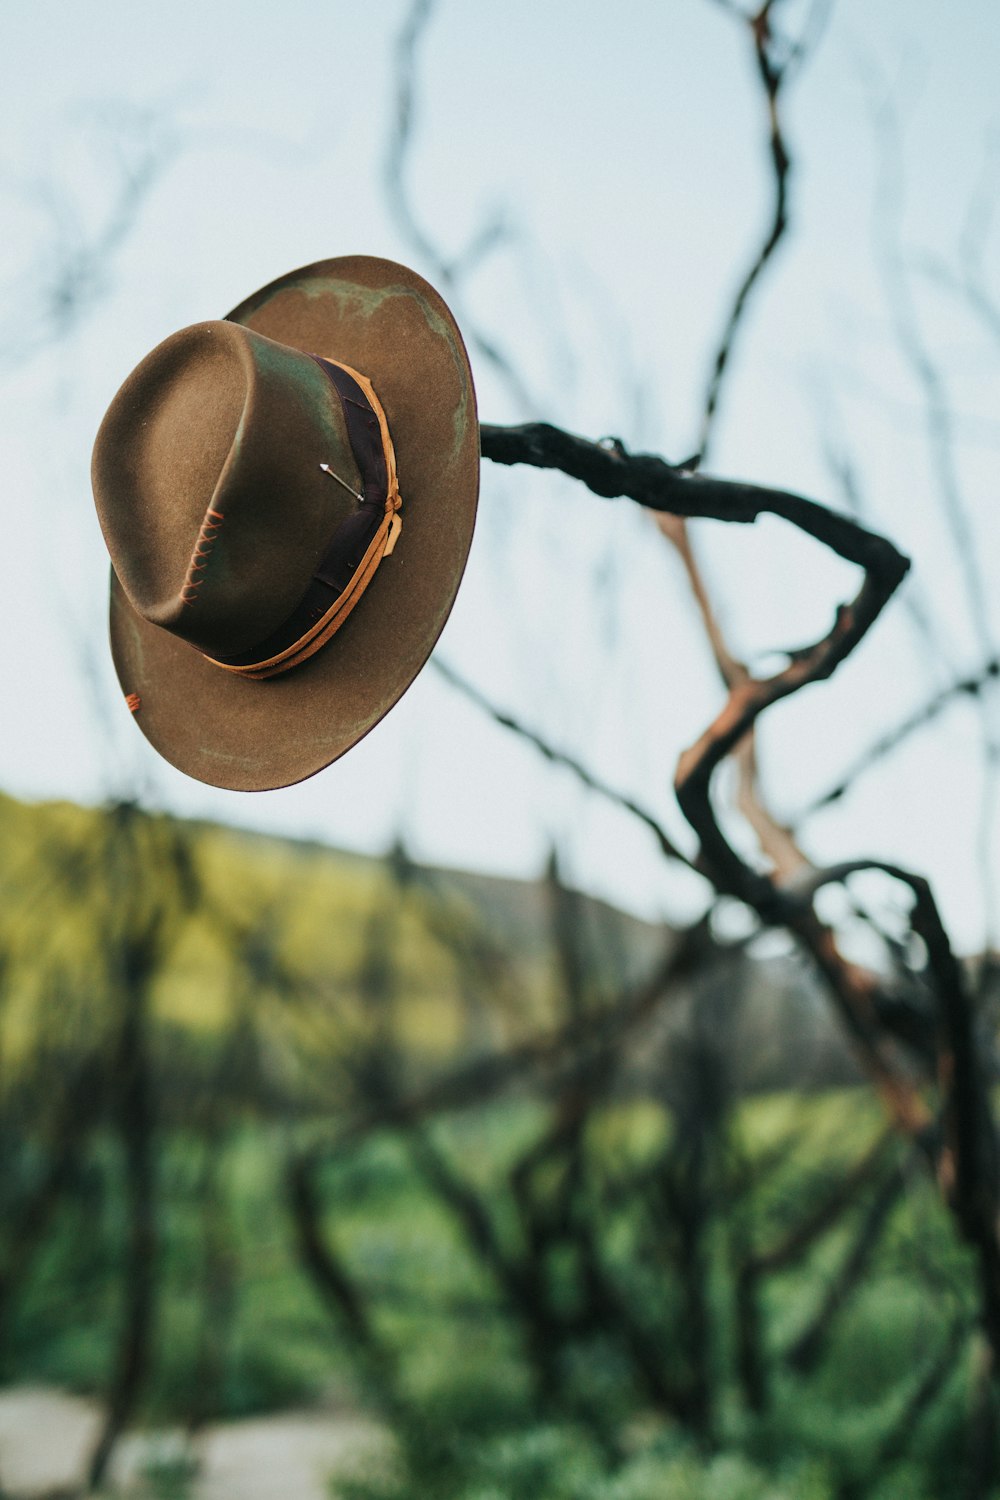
(327, 470)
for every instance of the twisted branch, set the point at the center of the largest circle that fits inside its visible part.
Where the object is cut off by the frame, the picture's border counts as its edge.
(609, 470)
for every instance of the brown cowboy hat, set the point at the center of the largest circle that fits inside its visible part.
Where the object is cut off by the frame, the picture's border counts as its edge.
(288, 499)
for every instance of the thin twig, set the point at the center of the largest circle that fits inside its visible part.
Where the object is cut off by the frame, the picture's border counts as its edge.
(772, 74)
(564, 759)
(965, 687)
(447, 272)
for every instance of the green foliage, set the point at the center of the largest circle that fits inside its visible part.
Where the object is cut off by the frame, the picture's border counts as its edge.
(561, 1463)
(287, 991)
(473, 1429)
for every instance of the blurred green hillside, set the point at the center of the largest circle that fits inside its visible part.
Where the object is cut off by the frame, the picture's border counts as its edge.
(318, 946)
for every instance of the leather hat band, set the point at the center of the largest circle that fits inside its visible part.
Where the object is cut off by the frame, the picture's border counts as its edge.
(356, 547)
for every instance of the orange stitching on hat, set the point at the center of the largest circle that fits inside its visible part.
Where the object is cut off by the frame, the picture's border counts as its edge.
(204, 543)
(133, 702)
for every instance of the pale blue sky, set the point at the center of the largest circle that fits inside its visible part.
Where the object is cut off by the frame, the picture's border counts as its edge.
(629, 159)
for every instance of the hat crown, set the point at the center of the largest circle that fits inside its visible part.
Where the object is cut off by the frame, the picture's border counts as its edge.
(208, 483)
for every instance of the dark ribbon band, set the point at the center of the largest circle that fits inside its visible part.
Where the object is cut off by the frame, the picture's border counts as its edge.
(352, 538)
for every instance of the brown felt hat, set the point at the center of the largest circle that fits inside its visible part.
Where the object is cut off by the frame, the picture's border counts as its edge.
(288, 499)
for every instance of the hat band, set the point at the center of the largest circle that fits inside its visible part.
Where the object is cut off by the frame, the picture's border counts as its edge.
(357, 547)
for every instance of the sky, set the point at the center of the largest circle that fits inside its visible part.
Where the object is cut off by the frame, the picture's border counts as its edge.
(627, 167)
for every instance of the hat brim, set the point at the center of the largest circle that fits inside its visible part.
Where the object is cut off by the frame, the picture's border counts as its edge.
(387, 322)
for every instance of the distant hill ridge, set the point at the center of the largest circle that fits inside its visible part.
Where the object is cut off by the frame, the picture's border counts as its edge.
(316, 916)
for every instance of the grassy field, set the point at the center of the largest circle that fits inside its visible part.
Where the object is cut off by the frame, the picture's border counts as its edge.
(237, 1316)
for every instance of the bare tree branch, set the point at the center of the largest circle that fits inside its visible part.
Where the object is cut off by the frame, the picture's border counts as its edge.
(609, 470)
(772, 69)
(968, 1160)
(805, 1352)
(776, 58)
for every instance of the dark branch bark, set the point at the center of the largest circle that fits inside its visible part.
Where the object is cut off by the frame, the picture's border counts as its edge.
(136, 1126)
(968, 1165)
(138, 938)
(609, 470)
(798, 1241)
(807, 1349)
